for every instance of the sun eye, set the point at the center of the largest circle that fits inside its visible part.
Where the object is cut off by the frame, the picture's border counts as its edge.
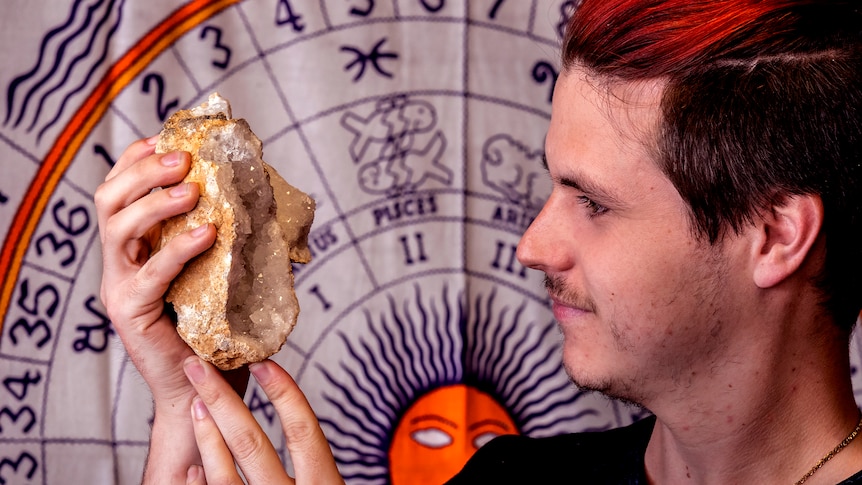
(482, 439)
(432, 437)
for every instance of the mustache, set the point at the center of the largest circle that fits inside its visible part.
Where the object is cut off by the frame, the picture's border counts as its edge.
(562, 292)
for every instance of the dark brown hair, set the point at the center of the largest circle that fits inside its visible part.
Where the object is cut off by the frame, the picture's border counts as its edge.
(763, 101)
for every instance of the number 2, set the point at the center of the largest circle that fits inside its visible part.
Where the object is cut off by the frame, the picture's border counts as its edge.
(162, 109)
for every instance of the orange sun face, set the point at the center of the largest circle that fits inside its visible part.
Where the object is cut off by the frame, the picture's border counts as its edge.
(441, 431)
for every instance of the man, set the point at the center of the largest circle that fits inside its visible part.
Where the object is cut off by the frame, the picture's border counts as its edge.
(700, 246)
(701, 242)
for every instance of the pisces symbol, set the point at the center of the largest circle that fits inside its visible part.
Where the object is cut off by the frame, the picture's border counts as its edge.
(374, 57)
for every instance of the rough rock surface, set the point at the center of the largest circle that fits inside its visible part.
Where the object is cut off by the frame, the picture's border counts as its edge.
(235, 303)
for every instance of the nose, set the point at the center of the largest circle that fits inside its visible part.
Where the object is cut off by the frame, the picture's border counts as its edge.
(543, 245)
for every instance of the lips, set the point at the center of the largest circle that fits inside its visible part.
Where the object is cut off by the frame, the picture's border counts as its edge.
(565, 312)
(566, 301)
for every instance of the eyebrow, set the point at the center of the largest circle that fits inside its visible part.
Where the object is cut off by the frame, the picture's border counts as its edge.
(485, 422)
(586, 185)
(433, 417)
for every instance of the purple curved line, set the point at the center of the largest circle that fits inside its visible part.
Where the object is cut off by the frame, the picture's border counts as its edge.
(60, 51)
(10, 92)
(366, 422)
(511, 385)
(90, 73)
(505, 340)
(389, 409)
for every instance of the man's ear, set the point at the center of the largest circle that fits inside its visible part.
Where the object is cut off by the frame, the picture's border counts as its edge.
(786, 235)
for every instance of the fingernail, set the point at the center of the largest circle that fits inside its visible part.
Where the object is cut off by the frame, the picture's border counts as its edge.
(261, 372)
(200, 230)
(179, 190)
(199, 409)
(194, 474)
(152, 140)
(171, 159)
(194, 370)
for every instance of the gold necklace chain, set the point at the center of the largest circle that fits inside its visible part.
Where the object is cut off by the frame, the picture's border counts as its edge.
(832, 453)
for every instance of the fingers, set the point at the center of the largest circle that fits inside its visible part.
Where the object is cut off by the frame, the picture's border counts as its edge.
(309, 451)
(145, 288)
(129, 217)
(133, 153)
(133, 283)
(222, 422)
(218, 463)
(136, 180)
(136, 220)
(195, 476)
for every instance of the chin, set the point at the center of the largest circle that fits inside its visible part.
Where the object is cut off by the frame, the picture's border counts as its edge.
(617, 388)
(586, 382)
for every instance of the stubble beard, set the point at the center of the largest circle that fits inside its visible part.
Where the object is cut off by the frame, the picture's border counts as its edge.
(630, 388)
(615, 388)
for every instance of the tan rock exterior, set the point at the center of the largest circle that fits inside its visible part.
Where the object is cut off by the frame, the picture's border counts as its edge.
(202, 292)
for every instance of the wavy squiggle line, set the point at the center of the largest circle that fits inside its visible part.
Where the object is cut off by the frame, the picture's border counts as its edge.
(10, 93)
(75, 60)
(86, 81)
(58, 58)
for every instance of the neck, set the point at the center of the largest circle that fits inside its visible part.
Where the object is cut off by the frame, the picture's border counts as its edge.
(767, 415)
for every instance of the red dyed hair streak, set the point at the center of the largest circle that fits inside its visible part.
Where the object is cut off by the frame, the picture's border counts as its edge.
(641, 39)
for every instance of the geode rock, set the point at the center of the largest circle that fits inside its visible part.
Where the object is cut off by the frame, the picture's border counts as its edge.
(235, 302)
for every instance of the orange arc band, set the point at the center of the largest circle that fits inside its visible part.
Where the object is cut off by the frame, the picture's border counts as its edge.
(79, 128)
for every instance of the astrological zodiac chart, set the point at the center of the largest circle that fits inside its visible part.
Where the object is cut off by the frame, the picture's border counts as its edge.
(417, 126)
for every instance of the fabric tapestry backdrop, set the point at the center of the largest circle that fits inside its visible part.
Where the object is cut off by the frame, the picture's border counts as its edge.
(418, 127)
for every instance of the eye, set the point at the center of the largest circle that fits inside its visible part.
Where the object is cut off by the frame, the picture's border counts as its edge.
(432, 437)
(482, 439)
(593, 208)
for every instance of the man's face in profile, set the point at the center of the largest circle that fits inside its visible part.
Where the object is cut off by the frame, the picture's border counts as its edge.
(644, 307)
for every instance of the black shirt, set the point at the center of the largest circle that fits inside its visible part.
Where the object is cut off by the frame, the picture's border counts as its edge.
(614, 457)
